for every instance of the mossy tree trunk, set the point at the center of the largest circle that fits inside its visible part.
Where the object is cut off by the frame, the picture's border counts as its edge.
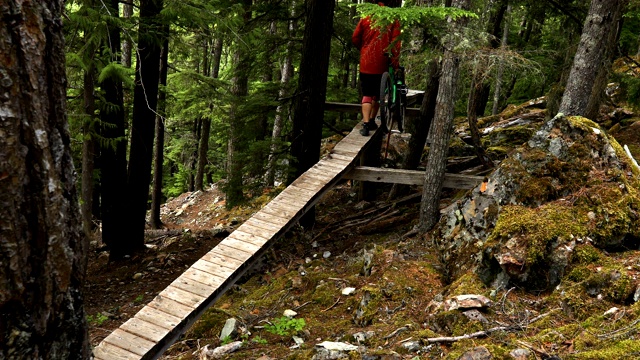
(113, 152)
(42, 250)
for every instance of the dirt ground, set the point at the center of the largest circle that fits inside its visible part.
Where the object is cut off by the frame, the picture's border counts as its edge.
(116, 291)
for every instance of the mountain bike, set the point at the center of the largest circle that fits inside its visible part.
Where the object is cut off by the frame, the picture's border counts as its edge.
(393, 99)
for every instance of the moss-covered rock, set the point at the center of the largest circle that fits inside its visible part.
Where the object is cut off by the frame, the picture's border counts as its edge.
(569, 182)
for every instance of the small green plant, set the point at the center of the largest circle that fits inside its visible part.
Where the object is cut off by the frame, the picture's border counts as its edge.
(258, 340)
(226, 340)
(97, 319)
(138, 299)
(285, 326)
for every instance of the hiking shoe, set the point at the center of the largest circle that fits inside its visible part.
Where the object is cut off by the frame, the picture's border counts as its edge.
(365, 129)
(372, 125)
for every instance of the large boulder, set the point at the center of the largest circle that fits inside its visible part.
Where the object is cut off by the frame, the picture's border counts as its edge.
(569, 183)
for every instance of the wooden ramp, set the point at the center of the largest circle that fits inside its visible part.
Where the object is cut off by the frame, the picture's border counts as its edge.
(159, 324)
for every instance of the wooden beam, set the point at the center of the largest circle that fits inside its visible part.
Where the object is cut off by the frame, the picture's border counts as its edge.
(355, 108)
(410, 177)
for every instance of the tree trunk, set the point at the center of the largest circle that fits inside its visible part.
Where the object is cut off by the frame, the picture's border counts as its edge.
(145, 102)
(88, 150)
(113, 152)
(217, 55)
(203, 144)
(443, 126)
(237, 133)
(281, 110)
(472, 116)
(312, 90)
(158, 158)
(419, 128)
(590, 57)
(43, 251)
(127, 12)
(203, 148)
(498, 87)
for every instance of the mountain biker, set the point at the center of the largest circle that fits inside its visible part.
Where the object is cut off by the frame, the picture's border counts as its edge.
(374, 46)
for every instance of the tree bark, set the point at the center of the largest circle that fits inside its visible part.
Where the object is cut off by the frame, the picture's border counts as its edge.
(88, 150)
(113, 151)
(499, 77)
(312, 90)
(281, 110)
(419, 128)
(601, 21)
(145, 103)
(127, 13)
(43, 251)
(237, 133)
(158, 157)
(443, 126)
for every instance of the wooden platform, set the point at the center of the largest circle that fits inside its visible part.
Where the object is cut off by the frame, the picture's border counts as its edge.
(159, 324)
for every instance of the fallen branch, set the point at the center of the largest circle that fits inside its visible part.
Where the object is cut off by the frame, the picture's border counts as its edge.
(332, 306)
(449, 339)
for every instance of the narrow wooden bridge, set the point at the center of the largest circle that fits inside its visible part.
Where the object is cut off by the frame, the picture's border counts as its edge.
(159, 324)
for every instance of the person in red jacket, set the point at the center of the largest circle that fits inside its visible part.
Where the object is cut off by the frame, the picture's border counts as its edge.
(375, 46)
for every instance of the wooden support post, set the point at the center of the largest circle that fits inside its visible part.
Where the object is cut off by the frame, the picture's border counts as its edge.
(370, 157)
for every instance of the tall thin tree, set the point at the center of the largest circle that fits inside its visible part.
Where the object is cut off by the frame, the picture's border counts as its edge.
(443, 124)
(590, 57)
(312, 90)
(145, 102)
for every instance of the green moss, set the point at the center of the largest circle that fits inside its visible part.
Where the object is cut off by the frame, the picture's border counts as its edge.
(469, 283)
(368, 310)
(585, 254)
(209, 325)
(539, 227)
(624, 349)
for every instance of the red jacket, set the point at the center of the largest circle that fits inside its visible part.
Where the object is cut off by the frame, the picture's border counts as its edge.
(374, 46)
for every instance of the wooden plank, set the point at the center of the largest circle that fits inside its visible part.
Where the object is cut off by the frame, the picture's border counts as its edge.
(183, 297)
(268, 218)
(234, 253)
(158, 317)
(255, 239)
(255, 222)
(130, 342)
(339, 157)
(296, 191)
(410, 177)
(198, 288)
(106, 351)
(260, 232)
(144, 329)
(203, 277)
(170, 306)
(345, 150)
(240, 241)
(294, 201)
(218, 258)
(309, 183)
(331, 167)
(283, 209)
(320, 174)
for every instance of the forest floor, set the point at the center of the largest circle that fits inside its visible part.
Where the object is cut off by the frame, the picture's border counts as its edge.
(306, 272)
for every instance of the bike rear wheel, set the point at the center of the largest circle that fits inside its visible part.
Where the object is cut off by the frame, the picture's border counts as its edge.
(386, 118)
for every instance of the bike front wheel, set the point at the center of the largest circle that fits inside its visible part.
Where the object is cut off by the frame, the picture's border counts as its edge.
(386, 98)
